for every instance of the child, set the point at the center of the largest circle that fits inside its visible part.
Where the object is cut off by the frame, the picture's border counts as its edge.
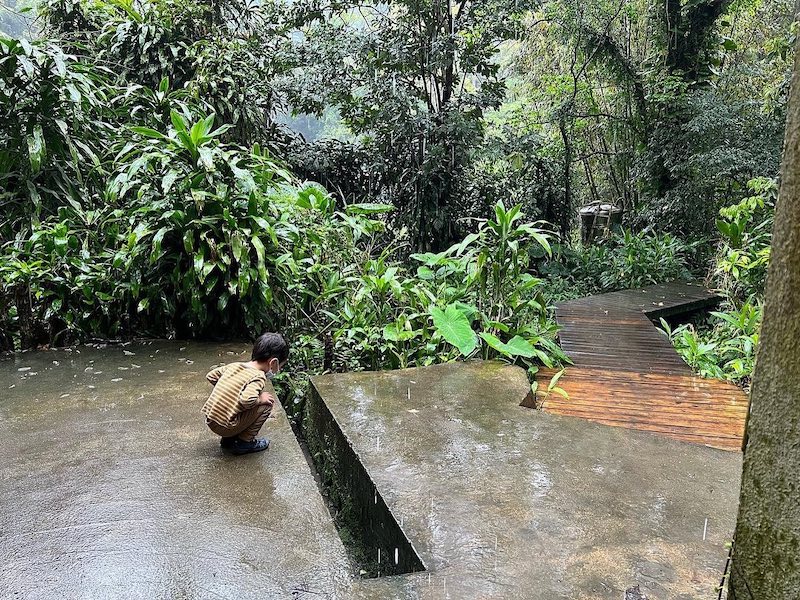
(239, 404)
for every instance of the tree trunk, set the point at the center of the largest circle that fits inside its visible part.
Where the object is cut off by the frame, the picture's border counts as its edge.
(766, 557)
(566, 213)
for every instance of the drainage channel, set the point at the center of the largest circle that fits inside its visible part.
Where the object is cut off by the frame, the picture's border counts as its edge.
(371, 534)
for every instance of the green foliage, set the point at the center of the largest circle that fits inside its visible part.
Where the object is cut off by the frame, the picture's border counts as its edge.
(746, 229)
(513, 165)
(125, 210)
(224, 55)
(388, 317)
(453, 325)
(412, 84)
(701, 156)
(182, 234)
(624, 261)
(725, 346)
(49, 130)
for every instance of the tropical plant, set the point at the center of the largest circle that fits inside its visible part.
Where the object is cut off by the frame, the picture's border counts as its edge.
(725, 348)
(725, 345)
(624, 261)
(49, 130)
(746, 229)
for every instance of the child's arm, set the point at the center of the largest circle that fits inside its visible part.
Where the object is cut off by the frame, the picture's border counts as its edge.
(214, 375)
(257, 392)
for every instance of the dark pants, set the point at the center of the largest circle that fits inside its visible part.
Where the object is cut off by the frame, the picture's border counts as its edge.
(245, 426)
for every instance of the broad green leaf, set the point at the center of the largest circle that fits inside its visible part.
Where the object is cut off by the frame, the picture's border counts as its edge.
(178, 122)
(425, 273)
(188, 242)
(207, 158)
(259, 248)
(516, 346)
(168, 180)
(454, 327)
(493, 342)
(157, 239)
(519, 346)
(554, 379)
(543, 242)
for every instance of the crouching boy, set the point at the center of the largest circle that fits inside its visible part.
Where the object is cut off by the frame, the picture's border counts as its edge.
(243, 398)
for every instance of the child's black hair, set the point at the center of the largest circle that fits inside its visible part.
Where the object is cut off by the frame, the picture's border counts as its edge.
(270, 345)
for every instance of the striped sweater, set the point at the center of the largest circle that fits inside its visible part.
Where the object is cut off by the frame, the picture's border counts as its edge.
(236, 389)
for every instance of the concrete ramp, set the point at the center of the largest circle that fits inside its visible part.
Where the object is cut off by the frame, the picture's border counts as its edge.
(498, 501)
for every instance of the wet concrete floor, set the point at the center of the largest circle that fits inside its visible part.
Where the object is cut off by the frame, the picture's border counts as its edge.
(111, 486)
(502, 501)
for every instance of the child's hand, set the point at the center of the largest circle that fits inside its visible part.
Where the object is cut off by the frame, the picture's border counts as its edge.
(266, 398)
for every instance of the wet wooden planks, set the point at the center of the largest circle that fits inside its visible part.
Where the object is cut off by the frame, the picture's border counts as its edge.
(661, 300)
(627, 374)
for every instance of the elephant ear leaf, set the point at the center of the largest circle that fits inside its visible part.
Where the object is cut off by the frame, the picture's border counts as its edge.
(519, 346)
(455, 328)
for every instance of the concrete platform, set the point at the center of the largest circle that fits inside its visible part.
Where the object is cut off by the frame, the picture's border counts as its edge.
(501, 501)
(112, 487)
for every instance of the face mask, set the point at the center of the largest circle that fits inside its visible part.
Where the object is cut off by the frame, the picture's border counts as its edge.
(270, 374)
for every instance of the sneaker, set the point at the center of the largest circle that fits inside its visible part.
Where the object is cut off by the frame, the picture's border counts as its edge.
(242, 447)
(227, 442)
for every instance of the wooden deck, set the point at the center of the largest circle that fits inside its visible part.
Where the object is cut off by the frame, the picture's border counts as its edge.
(627, 374)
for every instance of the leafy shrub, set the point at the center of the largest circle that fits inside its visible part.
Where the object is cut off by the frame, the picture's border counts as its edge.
(624, 261)
(49, 130)
(746, 228)
(129, 213)
(725, 346)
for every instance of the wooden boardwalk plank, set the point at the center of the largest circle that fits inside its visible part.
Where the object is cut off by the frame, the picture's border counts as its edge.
(626, 373)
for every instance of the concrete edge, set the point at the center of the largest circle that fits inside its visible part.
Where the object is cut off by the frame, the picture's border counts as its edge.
(371, 527)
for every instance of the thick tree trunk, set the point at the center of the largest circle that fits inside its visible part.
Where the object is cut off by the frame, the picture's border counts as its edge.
(766, 556)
